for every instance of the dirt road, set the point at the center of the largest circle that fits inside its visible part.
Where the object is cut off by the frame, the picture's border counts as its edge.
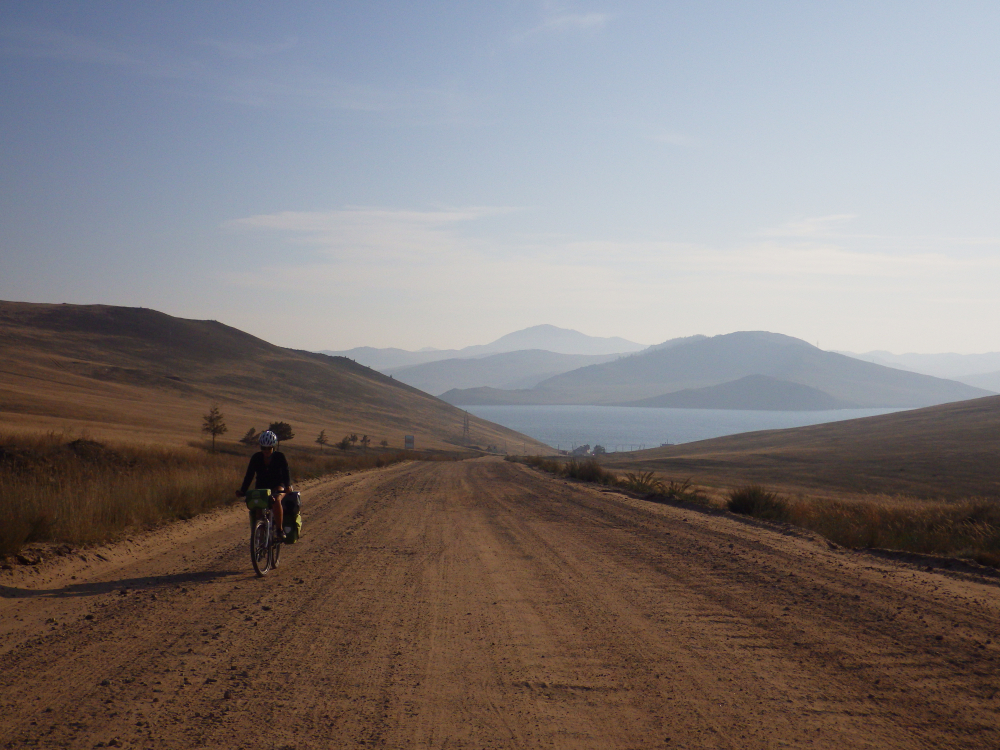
(484, 605)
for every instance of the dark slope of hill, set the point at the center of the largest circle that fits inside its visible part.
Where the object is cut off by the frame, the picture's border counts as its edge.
(753, 392)
(722, 359)
(948, 451)
(147, 374)
(384, 360)
(521, 369)
(944, 365)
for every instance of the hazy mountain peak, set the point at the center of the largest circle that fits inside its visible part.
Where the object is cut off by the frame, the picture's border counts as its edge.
(555, 339)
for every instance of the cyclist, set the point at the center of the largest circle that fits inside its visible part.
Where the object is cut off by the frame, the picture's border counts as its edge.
(271, 470)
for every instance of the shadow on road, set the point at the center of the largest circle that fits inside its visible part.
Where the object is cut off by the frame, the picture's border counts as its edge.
(96, 588)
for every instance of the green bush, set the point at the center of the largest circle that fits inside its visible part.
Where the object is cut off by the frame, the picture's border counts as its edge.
(589, 471)
(759, 502)
(643, 482)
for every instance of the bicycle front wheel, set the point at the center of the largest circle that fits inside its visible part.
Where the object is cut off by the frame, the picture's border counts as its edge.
(259, 553)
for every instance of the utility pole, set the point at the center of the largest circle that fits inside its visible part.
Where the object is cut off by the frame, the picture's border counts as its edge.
(465, 430)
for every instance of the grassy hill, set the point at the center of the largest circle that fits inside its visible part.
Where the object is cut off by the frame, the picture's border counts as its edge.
(138, 374)
(946, 451)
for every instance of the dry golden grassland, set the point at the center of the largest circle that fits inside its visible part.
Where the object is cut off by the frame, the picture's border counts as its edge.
(59, 488)
(134, 375)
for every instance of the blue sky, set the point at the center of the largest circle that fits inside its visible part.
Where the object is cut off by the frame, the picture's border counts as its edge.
(439, 174)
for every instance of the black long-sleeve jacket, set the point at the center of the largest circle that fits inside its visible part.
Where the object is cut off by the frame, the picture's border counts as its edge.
(273, 475)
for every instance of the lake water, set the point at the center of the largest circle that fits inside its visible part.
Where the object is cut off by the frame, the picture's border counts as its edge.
(622, 428)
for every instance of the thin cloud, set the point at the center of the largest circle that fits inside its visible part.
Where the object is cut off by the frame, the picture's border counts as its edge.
(372, 232)
(559, 22)
(810, 227)
(245, 50)
(381, 233)
(441, 263)
(574, 21)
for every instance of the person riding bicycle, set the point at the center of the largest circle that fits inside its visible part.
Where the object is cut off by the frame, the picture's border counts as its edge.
(271, 470)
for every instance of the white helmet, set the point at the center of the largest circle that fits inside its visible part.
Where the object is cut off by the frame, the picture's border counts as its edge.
(267, 439)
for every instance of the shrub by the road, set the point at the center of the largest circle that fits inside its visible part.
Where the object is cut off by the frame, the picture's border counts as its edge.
(644, 482)
(590, 470)
(755, 500)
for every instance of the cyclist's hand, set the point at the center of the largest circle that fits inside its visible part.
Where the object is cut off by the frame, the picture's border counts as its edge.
(240, 493)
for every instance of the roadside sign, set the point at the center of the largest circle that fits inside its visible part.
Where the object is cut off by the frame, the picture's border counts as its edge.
(408, 442)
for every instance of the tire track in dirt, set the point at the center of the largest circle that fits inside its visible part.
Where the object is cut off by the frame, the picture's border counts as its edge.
(482, 604)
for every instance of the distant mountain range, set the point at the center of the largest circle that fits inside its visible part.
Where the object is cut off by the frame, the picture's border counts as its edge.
(712, 372)
(542, 337)
(746, 370)
(980, 370)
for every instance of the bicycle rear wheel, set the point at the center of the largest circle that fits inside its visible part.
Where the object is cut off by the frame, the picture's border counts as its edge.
(275, 553)
(260, 555)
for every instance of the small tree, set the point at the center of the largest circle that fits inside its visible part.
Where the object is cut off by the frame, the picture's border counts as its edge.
(282, 430)
(353, 438)
(250, 438)
(599, 450)
(214, 424)
(322, 440)
(365, 442)
(384, 443)
(345, 443)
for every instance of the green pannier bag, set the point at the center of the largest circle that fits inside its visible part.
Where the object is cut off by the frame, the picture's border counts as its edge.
(291, 506)
(258, 499)
(293, 532)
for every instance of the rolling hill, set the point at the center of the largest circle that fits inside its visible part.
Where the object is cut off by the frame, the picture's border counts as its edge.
(715, 361)
(140, 374)
(753, 392)
(520, 369)
(944, 451)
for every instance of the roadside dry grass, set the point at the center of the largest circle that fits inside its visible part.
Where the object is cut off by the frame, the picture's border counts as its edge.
(79, 491)
(643, 483)
(965, 528)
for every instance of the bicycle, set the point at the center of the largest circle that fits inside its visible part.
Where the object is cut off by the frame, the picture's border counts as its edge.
(265, 549)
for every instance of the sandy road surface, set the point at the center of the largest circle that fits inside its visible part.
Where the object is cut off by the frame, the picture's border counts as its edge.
(484, 605)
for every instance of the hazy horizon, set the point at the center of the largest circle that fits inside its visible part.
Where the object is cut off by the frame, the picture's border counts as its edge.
(440, 175)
